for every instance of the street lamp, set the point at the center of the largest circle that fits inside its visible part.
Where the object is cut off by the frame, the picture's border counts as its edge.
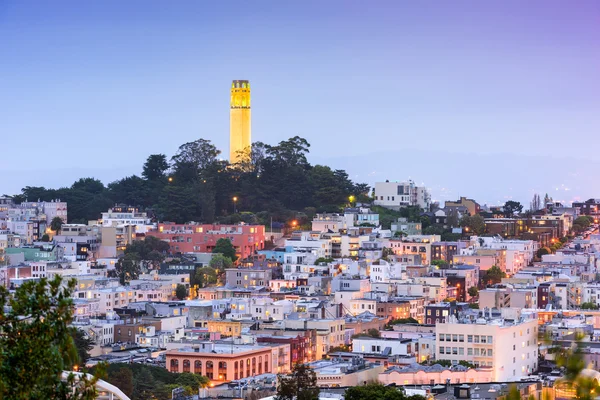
(294, 223)
(351, 198)
(235, 199)
(170, 179)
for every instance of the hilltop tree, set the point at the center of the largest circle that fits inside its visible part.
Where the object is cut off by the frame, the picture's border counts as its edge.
(301, 384)
(155, 167)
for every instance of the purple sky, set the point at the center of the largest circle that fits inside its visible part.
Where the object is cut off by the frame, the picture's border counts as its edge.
(484, 99)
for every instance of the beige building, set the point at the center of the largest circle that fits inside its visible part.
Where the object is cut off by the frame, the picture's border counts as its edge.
(509, 348)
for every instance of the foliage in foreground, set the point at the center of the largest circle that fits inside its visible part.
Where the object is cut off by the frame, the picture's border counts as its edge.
(37, 344)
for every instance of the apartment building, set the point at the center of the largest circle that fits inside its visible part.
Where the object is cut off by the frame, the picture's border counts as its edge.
(246, 277)
(193, 237)
(509, 346)
(396, 195)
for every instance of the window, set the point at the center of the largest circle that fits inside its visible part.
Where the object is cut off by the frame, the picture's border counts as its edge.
(469, 338)
(469, 352)
(448, 338)
(461, 338)
(454, 351)
(441, 350)
(461, 351)
(455, 338)
(441, 338)
(476, 338)
(490, 353)
(476, 352)
(489, 340)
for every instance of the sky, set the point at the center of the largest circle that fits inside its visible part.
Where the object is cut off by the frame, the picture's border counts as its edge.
(491, 100)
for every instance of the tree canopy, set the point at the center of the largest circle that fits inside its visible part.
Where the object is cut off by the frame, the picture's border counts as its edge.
(141, 382)
(195, 185)
(377, 391)
(301, 384)
(226, 249)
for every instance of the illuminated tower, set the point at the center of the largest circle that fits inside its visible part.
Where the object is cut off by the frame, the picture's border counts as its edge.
(239, 119)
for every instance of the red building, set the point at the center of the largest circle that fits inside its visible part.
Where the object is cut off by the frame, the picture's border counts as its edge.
(187, 238)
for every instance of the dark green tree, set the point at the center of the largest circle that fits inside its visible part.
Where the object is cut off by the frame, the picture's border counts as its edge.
(494, 275)
(36, 342)
(56, 224)
(155, 167)
(131, 190)
(220, 262)
(83, 344)
(127, 268)
(542, 251)
(225, 247)
(475, 224)
(180, 291)
(301, 384)
(589, 306)
(45, 238)
(205, 276)
(123, 379)
(511, 207)
(377, 391)
(473, 291)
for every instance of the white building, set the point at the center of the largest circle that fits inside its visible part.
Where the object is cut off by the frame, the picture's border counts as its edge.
(384, 346)
(124, 215)
(310, 242)
(396, 195)
(509, 347)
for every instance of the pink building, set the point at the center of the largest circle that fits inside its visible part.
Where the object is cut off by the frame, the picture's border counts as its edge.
(187, 238)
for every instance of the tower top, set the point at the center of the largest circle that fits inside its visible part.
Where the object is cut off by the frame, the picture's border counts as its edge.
(240, 84)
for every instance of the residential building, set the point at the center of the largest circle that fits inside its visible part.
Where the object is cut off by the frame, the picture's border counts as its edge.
(193, 237)
(408, 228)
(355, 372)
(508, 346)
(246, 277)
(396, 195)
(225, 361)
(473, 208)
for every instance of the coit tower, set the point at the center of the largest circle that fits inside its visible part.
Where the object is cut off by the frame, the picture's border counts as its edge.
(239, 121)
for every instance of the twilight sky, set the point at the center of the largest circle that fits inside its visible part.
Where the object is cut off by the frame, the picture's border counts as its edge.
(491, 100)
